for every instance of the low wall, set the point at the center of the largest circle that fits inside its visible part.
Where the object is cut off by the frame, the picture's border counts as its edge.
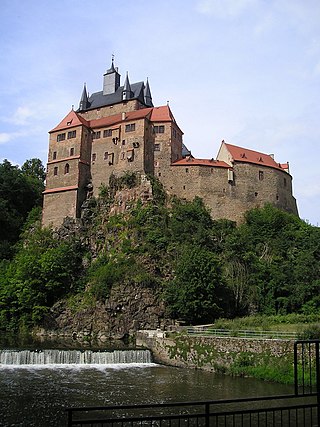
(218, 354)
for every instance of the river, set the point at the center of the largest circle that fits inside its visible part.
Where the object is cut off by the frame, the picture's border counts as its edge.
(37, 395)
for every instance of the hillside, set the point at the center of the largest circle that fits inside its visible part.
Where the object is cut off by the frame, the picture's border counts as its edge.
(137, 259)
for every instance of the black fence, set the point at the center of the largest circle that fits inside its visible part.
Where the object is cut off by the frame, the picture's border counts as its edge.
(301, 409)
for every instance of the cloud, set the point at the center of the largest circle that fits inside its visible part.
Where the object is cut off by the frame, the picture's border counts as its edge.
(5, 137)
(21, 116)
(223, 8)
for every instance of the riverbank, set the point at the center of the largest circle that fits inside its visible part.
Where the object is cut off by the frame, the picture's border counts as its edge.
(264, 359)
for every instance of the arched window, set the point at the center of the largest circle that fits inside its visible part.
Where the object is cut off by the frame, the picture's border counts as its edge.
(55, 170)
(66, 168)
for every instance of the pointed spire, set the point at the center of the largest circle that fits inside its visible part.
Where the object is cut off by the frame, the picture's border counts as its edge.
(111, 79)
(111, 69)
(126, 93)
(84, 104)
(147, 95)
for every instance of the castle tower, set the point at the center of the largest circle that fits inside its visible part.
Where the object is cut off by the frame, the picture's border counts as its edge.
(68, 169)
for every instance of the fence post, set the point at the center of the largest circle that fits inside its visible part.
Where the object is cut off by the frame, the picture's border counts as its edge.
(69, 417)
(318, 379)
(207, 414)
(295, 368)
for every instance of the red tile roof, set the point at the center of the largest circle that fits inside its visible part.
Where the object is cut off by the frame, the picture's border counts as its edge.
(245, 155)
(157, 114)
(60, 189)
(71, 120)
(162, 114)
(191, 161)
(117, 118)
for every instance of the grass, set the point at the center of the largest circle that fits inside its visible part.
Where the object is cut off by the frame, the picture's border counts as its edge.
(289, 323)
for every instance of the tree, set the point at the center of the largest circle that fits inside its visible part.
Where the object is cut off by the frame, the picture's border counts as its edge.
(20, 191)
(197, 293)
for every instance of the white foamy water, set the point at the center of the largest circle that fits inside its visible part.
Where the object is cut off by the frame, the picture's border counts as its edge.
(74, 357)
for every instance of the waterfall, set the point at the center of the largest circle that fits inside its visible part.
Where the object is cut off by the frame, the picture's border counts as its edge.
(78, 357)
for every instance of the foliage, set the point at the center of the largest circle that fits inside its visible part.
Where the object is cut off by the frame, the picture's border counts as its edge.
(204, 269)
(43, 271)
(20, 191)
(196, 294)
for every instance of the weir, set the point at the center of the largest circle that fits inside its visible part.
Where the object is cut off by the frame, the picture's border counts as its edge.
(78, 357)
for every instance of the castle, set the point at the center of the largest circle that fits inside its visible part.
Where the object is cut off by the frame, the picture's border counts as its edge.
(118, 129)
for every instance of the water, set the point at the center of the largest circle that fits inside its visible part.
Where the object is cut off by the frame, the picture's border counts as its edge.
(78, 357)
(36, 395)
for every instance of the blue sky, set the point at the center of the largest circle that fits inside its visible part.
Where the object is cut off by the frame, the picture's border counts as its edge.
(246, 71)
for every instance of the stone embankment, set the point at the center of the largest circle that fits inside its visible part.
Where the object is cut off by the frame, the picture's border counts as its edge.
(217, 354)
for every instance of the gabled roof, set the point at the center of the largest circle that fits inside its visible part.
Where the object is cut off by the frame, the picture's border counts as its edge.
(162, 114)
(71, 120)
(240, 154)
(191, 161)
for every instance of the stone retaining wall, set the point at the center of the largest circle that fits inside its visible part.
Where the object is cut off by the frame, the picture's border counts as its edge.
(216, 354)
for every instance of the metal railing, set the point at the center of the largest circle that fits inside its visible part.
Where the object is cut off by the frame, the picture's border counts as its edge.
(301, 409)
(243, 333)
(282, 411)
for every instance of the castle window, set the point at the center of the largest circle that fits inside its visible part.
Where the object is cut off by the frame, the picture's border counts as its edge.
(71, 151)
(130, 155)
(123, 156)
(54, 155)
(107, 132)
(55, 171)
(184, 187)
(72, 134)
(67, 168)
(105, 155)
(111, 158)
(285, 182)
(61, 137)
(131, 127)
(96, 135)
(159, 174)
(255, 194)
(187, 170)
(277, 196)
(156, 147)
(123, 142)
(159, 129)
(94, 156)
(261, 175)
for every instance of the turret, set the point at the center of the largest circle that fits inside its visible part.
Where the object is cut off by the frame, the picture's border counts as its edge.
(111, 80)
(147, 95)
(84, 104)
(126, 93)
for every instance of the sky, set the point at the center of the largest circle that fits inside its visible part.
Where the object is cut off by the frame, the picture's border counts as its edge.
(243, 71)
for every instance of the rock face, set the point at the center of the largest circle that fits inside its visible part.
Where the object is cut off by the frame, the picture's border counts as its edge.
(127, 310)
